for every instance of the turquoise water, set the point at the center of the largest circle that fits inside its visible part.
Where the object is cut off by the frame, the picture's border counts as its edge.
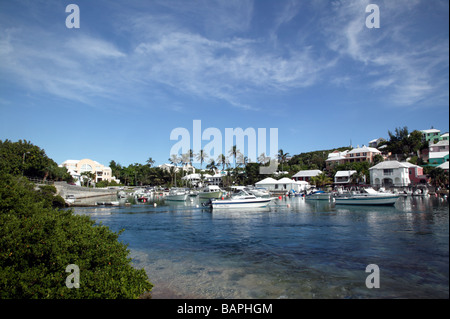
(294, 249)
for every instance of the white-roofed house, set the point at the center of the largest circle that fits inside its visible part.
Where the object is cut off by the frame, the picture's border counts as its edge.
(306, 175)
(335, 158)
(432, 135)
(444, 166)
(416, 175)
(374, 143)
(390, 173)
(361, 154)
(283, 185)
(101, 172)
(437, 158)
(268, 183)
(343, 177)
(441, 146)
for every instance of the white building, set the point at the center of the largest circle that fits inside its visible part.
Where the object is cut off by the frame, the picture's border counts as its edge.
(306, 175)
(336, 158)
(374, 143)
(361, 154)
(77, 167)
(284, 184)
(444, 166)
(343, 177)
(390, 173)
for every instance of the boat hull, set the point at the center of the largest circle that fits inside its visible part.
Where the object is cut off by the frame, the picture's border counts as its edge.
(233, 204)
(322, 196)
(180, 197)
(363, 200)
(210, 195)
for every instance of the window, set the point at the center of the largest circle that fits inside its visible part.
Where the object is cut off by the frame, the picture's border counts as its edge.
(388, 172)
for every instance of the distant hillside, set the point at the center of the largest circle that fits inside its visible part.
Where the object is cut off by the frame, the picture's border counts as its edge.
(315, 159)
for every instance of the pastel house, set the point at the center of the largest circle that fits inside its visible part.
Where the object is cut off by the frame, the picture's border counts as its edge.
(437, 158)
(306, 175)
(390, 173)
(343, 177)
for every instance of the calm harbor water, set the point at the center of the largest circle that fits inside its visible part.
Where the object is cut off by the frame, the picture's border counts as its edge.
(294, 249)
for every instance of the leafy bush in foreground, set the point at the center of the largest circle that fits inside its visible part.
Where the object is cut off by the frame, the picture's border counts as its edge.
(38, 242)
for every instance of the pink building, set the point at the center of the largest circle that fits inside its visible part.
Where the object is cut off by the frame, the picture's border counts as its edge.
(416, 175)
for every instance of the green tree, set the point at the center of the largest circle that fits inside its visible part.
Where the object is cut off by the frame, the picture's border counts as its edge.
(282, 158)
(439, 177)
(221, 160)
(201, 156)
(87, 177)
(22, 158)
(212, 166)
(321, 180)
(38, 242)
(150, 162)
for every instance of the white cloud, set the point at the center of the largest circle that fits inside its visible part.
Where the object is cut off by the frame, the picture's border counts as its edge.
(206, 50)
(93, 48)
(406, 66)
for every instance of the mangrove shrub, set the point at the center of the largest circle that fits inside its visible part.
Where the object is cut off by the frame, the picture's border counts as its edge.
(38, 242)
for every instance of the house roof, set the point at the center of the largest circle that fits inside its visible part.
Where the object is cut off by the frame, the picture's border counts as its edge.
(344, 173)
(389, 165)
(308, 173)
(364, 149)
(268, 180)
(440, 143)
(444, 166)
(432, 130)
(438, 154)
(285, 180)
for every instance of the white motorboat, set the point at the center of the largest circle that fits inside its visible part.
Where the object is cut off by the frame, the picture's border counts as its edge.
(260, 192)
(177, 194)
(70, 199)
(240, 200)
(319, 195)
(211, 191)
(368, 197)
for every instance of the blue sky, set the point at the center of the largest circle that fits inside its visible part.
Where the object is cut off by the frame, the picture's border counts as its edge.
(116, 87)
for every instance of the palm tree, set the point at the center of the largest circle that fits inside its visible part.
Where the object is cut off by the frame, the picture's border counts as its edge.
(439, 178)
(282, 157)
(174, 159)
(201, 156)
(150, 161)
(262, 158)
(321, 180)
(234, 152)
(212, 166)
(222, 160)
(191, 156)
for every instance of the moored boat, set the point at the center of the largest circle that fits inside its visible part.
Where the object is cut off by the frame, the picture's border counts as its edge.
(177, 194)
(211, 191)
(319, 195)
(368, 197)
(241, 200)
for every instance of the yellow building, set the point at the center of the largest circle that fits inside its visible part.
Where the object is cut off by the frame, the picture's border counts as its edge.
(77, 167)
